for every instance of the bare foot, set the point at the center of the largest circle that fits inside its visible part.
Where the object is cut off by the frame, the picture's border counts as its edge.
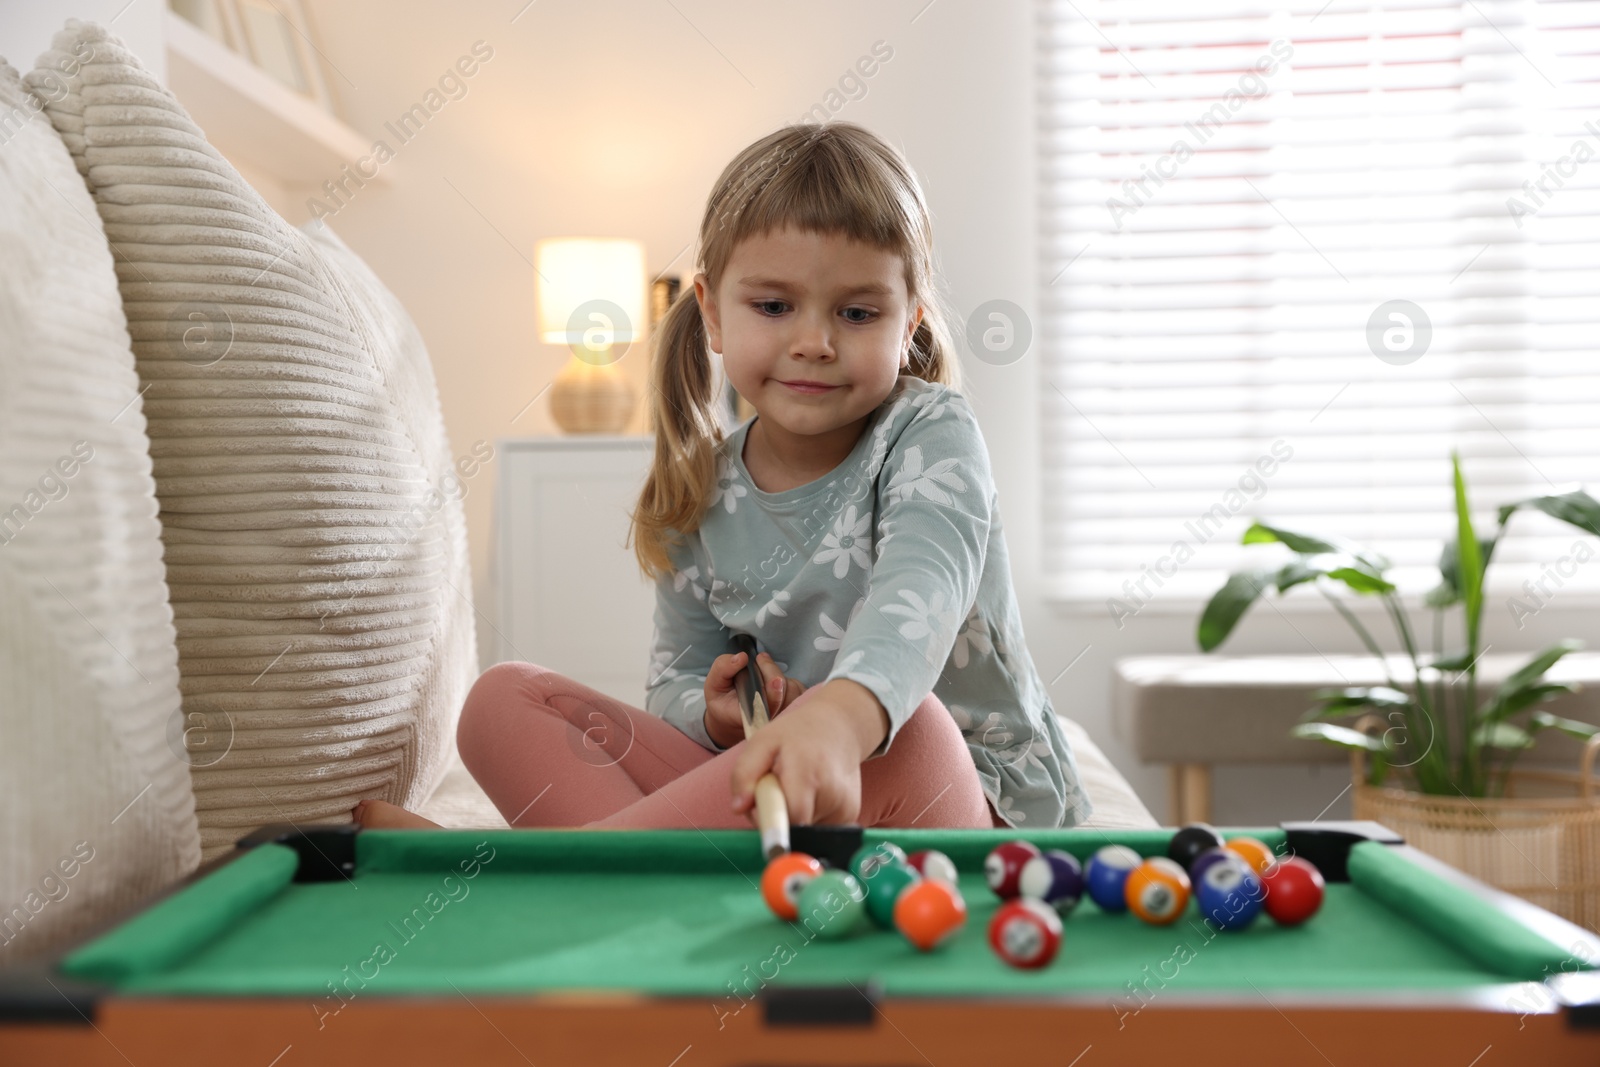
(382, 815)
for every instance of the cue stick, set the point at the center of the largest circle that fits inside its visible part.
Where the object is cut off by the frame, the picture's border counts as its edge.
(772, 810)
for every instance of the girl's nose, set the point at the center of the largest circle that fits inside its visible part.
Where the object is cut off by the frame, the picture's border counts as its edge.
(812, 341)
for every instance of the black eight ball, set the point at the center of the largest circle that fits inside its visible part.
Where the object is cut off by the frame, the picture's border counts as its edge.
(1192, 840)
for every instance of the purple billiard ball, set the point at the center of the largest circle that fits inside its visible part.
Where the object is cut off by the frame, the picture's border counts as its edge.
(1054, 877)
(1203, 861)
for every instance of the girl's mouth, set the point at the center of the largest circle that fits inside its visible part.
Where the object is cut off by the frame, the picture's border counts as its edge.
(810, 388)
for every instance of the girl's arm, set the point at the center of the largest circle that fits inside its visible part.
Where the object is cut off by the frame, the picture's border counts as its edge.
(688, 639)
(937, 503)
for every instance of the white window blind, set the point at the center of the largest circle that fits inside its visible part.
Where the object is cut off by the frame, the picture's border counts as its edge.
(1229, 191)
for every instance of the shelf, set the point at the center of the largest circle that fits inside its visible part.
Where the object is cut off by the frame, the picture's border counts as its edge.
(253, 119)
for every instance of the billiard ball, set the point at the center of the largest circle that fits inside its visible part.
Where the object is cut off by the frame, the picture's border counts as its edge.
(832, 904)
(930, 913)
(1197, 869)
(1107, 875)
(1229, 894)
(1025, 933)
(1054, 877)
(1157, 891)
(1190, 841)
(884, 887)
(868, 858)
(1003, 867)
(783, 879)
(932, 863)
(1253, 852)
(1294, 891)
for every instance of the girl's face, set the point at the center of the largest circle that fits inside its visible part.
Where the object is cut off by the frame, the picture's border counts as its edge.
(797, 307)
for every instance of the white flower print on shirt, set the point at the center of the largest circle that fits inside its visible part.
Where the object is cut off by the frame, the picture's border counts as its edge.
(938, 402)
(661, 666)
(833, 634)
(974, 636)
(1006, 809)
(689, 576)
(912, 479)
(927, 621)
(1028, 756)
(848, 663)
(774, 606)
(848, 542)
(728, 488)
(880, 436)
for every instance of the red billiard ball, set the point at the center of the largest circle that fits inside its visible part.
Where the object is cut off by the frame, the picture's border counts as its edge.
(1025, 932)
(1294, 891)
(1003, 867)
(931, 863)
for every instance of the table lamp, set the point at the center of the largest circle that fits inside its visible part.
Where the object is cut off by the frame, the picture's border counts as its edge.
(591, 294)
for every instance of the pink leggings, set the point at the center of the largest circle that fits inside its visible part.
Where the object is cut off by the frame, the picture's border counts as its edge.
(550, 751)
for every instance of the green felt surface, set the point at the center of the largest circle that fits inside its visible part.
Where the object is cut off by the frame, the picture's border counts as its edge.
(680, 913)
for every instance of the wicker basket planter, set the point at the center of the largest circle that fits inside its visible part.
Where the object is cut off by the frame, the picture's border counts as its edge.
(1541, 841)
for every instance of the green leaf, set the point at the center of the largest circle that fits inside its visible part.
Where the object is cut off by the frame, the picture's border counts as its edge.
(1296, 572)
(1502, 735)
(1261, 533)
(1228, 604)
(1542, 720)
(1342, 703)
(1343, 736)
(1523, 699)
(1448, 591)
(1534, 669)
(1452, 661)
(1576, 508)
(1365, 696)
(1470, 557)
(1361, 581)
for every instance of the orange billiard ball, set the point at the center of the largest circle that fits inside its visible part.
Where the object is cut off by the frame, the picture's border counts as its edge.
(1157, 890)
(1253, 852)
(783, 879)
(930, 913)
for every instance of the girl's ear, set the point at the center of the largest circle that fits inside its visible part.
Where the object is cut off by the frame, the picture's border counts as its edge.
(709, 312)
(905, 353)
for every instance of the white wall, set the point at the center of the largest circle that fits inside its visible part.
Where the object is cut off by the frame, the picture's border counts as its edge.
(614, 118)
(26, 27)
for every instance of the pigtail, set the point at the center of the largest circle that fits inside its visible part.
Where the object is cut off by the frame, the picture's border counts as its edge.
(687, 433)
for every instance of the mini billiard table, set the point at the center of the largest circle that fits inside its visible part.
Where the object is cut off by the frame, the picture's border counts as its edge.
(341, 945)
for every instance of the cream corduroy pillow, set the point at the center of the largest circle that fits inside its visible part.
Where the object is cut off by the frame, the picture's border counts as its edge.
(96, 811)
(311, 511)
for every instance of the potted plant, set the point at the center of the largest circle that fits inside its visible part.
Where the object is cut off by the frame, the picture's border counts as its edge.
(1432, 756)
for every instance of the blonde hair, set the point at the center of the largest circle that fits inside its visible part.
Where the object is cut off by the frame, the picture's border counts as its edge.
(836, 178)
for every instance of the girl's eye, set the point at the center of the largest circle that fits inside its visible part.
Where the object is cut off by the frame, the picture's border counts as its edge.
(766, 307)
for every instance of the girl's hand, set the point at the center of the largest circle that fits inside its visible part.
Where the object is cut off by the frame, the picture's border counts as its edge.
(816, 751)
(722, 719)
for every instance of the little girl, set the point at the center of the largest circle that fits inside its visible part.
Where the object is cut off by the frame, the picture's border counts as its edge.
(850, 526)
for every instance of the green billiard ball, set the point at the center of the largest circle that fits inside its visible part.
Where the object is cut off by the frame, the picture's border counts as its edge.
(831, 905)
(885, 887)
(869, 858)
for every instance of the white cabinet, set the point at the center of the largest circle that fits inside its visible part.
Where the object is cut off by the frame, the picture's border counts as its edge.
(568, 593)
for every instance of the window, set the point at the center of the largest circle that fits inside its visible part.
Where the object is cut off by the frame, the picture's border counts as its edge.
(1293, 254)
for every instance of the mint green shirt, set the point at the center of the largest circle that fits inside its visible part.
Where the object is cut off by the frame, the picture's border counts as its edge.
(890, 570)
